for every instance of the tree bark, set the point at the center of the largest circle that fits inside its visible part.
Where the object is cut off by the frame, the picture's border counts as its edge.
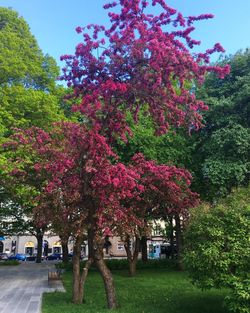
(65, 250)
(132, 267)
(144, 249)
(79, 278)
(108, 282)
(95, 244)
(77, 285)
(85, 274)
(39, 238)
(171, 238)
(178, 242)
(132, 256)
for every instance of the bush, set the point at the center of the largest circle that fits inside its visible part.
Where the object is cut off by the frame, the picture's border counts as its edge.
(217, 248)
(9, 262)
(122, 264)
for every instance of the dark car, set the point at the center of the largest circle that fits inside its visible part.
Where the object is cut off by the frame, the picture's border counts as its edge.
(18, 256)
(70, 256)
(4, 256)
(54, 256)
(31, 258)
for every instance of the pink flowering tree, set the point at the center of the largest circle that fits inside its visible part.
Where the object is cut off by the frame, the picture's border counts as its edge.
(166, 192)
(87, 191)
(142, 60)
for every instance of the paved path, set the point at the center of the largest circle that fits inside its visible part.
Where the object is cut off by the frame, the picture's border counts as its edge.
(22, 286)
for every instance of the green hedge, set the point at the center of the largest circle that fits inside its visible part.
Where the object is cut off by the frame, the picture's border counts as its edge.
(122, 264)
(9, 262)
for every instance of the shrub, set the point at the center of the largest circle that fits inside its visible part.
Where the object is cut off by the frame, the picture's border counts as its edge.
(122, 264)
(217, 248)
(9, 262)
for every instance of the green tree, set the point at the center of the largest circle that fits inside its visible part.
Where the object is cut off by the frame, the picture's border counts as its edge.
(29, 97)
(23, 108)
(21, 60)
(20, 188)
(28, 92)
(221, 150)
(217, 243)
(171, 148)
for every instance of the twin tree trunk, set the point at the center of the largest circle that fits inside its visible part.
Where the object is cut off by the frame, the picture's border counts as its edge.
(108, 281)
(79, 277)
(132, 254)
(96, 244)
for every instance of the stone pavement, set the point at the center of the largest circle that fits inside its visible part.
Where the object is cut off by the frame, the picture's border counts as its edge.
(22, 286)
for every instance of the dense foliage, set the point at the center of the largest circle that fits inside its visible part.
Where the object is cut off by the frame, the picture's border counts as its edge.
(27, 77)
(222, 148)
(218, 250)
(28, 97)
(122, 264)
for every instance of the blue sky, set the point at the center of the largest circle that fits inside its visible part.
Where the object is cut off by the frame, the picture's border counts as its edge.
(53, 22)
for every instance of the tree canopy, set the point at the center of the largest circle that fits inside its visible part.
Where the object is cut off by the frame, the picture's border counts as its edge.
(222, 148)
(21, 60)
(28, 93)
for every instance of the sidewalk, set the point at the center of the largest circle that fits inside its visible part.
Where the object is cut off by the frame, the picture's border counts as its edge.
(22, 287)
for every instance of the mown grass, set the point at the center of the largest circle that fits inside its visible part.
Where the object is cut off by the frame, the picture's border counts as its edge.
(151, 291)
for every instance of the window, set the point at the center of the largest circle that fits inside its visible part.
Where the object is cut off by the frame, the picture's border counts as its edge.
(120, 246)
(157, 231)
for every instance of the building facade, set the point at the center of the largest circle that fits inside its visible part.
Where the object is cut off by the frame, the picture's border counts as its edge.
(113, 248)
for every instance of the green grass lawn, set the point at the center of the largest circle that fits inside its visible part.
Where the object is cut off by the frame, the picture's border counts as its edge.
(151, 291)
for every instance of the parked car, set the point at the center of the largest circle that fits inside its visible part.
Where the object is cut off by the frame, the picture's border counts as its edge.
(19, 257)
(70, 256)
(31, 258)
(4, 256)
(54, 256)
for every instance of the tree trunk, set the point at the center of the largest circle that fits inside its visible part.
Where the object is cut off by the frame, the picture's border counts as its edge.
(65, 251)
(108, 282)
(171, 238)
(144, 249)
(95, 244)
(39, 238)
(132, 267)
(77, 284)
(178, 242)
(132, 256)
(85, 274)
